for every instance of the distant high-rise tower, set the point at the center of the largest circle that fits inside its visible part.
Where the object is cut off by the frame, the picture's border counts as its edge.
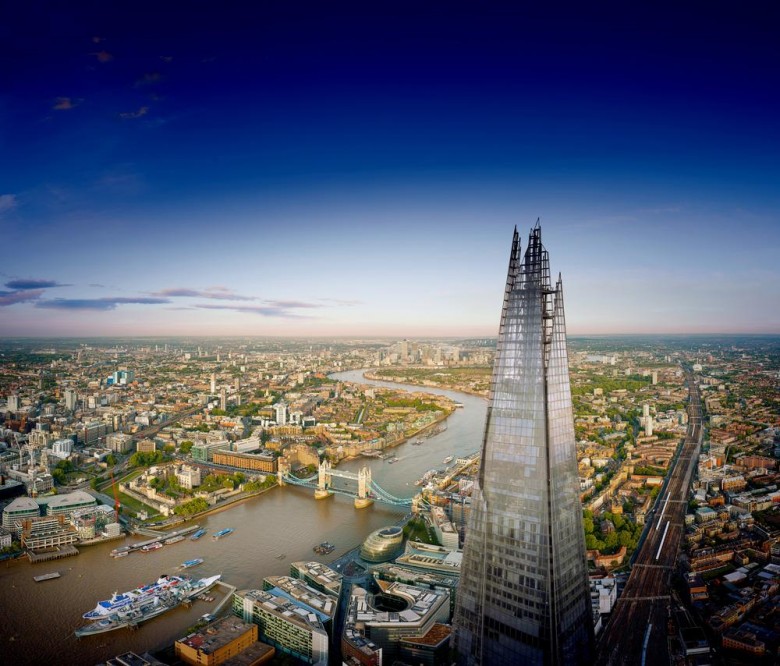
(213, 383)
(281, 412)
(71, 398)
(524, 596)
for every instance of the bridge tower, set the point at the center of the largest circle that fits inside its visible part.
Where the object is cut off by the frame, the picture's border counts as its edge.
(364, 485)
(323, 490)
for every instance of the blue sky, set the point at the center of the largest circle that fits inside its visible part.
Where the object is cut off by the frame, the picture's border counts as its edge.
(298, 169)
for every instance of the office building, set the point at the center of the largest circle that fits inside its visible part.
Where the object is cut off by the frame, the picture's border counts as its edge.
(281, 412)
(319, 576)
(375, 624)
(524, 595)
(383, 545)
(291, 627)
(119, 442)
(19, 510)
(71, 398)
(256, 462)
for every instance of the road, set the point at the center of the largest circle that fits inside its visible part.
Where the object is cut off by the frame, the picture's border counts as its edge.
(637, 630)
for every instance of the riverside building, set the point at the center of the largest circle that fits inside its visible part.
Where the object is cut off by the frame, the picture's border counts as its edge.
(524, 595)
(289, 626)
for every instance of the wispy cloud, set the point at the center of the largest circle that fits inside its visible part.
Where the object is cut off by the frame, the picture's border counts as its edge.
(19, 296)
(263, 311)
(218, 293)
(7, 202)
(341, 301)
(33, 283)
(108, 303)
(131, 115)
(292, 304)
(65, 103)
(103, 56)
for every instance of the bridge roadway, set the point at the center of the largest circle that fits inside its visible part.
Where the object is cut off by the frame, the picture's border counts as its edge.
(637, 629)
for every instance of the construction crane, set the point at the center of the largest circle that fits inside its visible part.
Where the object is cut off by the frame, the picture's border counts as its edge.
(117, 504)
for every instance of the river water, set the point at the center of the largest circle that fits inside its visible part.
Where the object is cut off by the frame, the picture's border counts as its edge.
(37, 619)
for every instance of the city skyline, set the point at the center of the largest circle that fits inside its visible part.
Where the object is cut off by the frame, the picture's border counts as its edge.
(258, 172)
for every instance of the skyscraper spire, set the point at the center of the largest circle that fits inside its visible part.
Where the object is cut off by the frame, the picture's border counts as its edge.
(524, 595)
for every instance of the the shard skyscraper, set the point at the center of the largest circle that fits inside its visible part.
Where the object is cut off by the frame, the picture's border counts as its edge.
(524, 595)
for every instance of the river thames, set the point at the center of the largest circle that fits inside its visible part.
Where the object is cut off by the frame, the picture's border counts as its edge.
(37, 620)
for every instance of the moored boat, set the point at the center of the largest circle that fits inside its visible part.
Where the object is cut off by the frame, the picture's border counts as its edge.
(149, 606)
(198, 534)
(223, 533)
(148, 548)
(48, 576)
(448, 460)
(119, 601)
(175, 539)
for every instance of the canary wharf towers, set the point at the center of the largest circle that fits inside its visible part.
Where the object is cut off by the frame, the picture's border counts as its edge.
(523, 596)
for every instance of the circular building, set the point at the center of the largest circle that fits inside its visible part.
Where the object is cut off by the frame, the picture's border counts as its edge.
(383, 545)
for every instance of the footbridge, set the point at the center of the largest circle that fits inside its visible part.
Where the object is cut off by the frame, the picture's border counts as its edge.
(367, 491)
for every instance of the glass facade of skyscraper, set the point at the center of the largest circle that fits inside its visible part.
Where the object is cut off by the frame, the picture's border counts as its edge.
(524, 595)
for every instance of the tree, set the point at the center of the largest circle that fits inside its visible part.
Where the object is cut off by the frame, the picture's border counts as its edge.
(110, 460)
(185, 447)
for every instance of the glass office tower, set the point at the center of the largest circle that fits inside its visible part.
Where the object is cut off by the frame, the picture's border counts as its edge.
(523, 596)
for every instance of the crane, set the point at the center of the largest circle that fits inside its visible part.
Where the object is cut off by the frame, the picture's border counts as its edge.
(117, 504)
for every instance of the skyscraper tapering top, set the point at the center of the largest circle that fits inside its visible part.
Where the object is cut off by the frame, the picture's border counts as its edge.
(524, 596)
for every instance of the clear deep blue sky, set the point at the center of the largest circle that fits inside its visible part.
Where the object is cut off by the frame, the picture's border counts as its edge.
(295, 168)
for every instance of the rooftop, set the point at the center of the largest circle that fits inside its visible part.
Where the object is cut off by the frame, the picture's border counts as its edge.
(330, 580)
(217, 635)
(436, 634)
(68, 499)
(297, 590)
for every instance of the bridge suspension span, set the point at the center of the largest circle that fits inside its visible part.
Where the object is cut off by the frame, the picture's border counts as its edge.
(368, 491)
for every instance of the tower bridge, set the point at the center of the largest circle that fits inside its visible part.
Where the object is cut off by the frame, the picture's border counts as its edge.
(367, 492)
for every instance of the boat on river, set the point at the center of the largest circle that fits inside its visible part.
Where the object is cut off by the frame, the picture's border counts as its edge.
(324, 548)
(448, 460)
(48, 576)
(120, 601)
(223, 533)
(144, 603)
(191, 563)
(198, 534)
(148, 548)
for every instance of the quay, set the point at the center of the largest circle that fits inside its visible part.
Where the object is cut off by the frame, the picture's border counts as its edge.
(62, 551)
(228, 596)
(161, 537)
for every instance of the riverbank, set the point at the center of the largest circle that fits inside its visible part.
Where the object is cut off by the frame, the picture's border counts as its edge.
(406, 438)
(233, 501)
(410, 382)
